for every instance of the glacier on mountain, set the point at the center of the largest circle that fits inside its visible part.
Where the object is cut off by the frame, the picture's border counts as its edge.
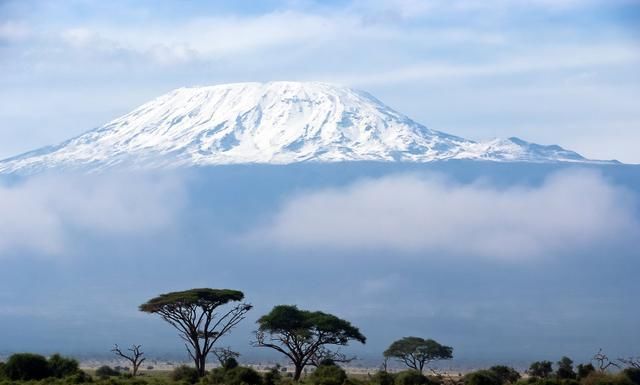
(275, 123)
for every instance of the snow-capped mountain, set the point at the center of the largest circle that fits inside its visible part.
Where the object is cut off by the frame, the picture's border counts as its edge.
(277, 122)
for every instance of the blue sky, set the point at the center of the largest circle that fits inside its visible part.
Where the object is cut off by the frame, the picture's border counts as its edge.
(562, 71)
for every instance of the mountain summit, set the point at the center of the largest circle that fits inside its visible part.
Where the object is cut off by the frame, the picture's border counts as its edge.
(276, 122)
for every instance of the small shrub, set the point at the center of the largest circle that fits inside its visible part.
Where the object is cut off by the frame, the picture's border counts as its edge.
(382, 378)
(216, 376)
(540, 369)
(273, 376)
(230, 363)
(328, 375)
(585, 370)
(26, 366)
(106, 371)
(411, 377)
(185, 373)
(482, 377)
(79, 378)
(62, 366)
(633, 374)
(242, 375)
(606, 379)
(505, 374)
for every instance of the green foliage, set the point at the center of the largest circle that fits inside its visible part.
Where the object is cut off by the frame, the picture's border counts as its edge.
(185, 373)
(482, 377)
(26, 366)
(288, 318)
(62, 366)
(415, 352)
(2, 373)
(301, 334)
(606, 379)
(565, 369)
(79, 377)
(585, 370)
(230, 363)
(382, 378)
(540, 369)
(505, 374)
(633, 374)
(411, 377)
(242, 375)
(197, 297)
(328, 375)
(106, 371)
(239, 375)
(273, 376)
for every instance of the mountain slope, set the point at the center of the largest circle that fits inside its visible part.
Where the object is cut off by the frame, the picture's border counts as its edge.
(277, 122)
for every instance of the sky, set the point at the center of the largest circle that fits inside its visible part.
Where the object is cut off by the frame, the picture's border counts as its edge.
(504, 262)
(552, 72)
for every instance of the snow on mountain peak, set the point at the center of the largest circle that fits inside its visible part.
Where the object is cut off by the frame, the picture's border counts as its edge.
(276, 122)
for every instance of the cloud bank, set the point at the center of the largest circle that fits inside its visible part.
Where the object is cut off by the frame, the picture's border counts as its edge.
(45, 215)
(568, 213)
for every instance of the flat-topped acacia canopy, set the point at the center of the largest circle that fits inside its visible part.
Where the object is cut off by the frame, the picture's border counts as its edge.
(288, 318)
(204, 297)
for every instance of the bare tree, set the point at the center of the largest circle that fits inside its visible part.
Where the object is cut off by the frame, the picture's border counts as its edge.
(631, 362)
(385, 364)
(223, 354)
(603, 362)
(324, 354)
(135, 357)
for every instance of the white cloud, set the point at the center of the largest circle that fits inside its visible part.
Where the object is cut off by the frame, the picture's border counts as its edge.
(570, 212)
(42, 215)
(13, 31)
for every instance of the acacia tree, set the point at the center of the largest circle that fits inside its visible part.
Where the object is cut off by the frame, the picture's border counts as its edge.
(301, 335)
(194, 314)
(135, 357)
(416, 352)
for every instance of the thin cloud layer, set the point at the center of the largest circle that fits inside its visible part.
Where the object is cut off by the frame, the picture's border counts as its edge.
(569, 213)
(46, 215)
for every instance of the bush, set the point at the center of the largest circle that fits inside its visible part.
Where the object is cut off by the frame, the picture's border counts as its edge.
(106, 371)
(606, 379)
(216, 376)
(585, 370)
(79, 378)
(565, 369)
(62, 366)
(185, 373)
(26, 366)
(242, 375)
(505, 374)
(382, 378)
(2, 375)
(328, 375)
(633, 374)
(540, 369)
(482, 377)
(230, 363)
(273, 376)
(411, 377)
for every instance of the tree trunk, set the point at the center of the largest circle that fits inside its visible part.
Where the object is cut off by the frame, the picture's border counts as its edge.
(200, 365)
(298, 372)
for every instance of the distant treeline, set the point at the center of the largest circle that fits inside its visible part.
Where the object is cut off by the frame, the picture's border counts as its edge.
(305, 338)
